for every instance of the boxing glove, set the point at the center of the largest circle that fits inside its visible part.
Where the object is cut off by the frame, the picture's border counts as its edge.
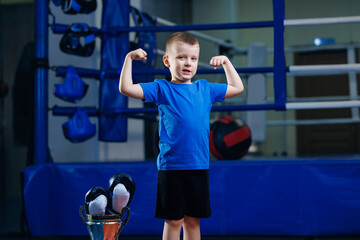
(123, 188)
(97, 199)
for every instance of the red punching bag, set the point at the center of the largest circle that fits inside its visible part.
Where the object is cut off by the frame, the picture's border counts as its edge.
(228, 139)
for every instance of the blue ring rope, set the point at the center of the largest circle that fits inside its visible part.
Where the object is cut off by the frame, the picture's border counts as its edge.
(61, 28)
(90, 73)
(94, 112)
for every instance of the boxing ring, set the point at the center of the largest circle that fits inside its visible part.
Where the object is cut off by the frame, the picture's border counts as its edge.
(261, 197)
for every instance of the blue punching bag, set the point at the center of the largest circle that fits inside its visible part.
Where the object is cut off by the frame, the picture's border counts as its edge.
(113, 127)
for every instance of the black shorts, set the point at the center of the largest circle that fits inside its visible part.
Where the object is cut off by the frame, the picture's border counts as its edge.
(183, 192)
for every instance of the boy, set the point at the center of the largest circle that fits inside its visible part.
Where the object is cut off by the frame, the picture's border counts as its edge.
(184, 110)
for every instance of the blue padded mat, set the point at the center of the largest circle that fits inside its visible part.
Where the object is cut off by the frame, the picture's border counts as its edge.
(285, 197)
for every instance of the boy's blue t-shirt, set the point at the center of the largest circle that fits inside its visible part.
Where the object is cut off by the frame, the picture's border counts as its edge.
(184, 111)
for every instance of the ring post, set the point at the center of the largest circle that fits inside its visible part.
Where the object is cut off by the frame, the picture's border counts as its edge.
(41, 83)
(279, 55)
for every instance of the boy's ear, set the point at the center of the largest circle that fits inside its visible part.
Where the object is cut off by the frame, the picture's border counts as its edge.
(166, 61)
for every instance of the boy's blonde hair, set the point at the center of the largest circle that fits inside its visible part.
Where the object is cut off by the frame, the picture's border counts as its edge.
(181, 37)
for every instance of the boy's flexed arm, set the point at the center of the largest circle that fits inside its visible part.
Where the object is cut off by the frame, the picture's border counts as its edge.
(235, 85)
(126, 85)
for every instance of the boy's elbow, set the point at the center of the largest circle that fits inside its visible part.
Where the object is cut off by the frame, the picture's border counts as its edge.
(233, 91)
(241, 89)
(238, 89)
(122, 90)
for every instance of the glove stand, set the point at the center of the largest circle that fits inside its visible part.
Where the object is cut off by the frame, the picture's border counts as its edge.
(104, 227)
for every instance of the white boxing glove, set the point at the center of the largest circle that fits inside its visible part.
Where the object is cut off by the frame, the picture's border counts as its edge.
(98, 206)
(97, 200)
(120, 197)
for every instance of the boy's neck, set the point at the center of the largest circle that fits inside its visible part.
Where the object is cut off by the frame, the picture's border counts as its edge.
(181, 82)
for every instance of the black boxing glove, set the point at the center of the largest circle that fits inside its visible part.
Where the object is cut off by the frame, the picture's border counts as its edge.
(123, 188)
(97, 199)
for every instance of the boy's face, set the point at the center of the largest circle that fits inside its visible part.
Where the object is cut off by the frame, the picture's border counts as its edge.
(182, 60)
